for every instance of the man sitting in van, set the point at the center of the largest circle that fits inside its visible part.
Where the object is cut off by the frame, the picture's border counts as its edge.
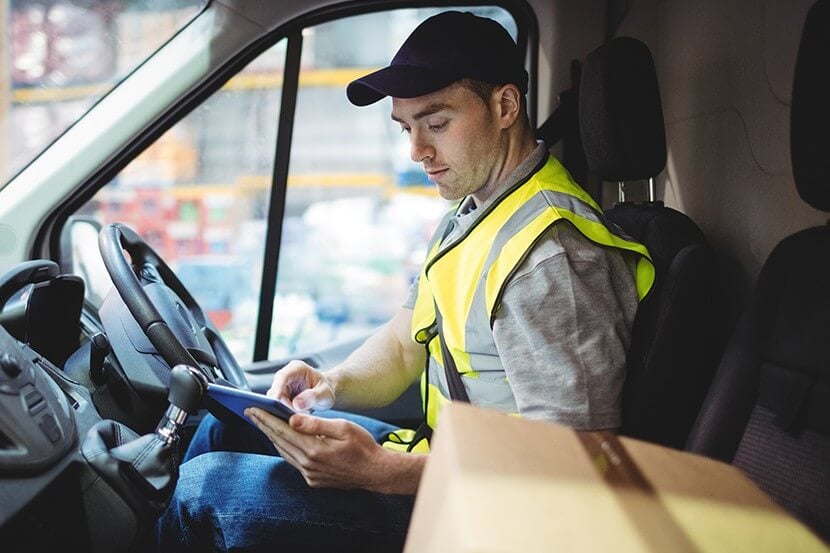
(524, 304)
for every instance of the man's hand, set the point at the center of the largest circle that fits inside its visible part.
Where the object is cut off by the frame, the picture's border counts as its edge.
(302, 388)
(337, 453)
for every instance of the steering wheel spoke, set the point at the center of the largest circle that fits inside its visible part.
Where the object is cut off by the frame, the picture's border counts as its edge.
(166, 312)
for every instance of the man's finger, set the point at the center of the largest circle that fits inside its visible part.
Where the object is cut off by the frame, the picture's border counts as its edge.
(281, 391)
(317, 426)
(318, 398)
(273, 427)
(279, 432)
(291, 376)
(289, 457)
(291, 454)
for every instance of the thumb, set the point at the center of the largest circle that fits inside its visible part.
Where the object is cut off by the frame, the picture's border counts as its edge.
(318, 398)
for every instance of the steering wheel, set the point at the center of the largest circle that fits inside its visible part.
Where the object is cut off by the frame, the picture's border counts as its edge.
(166, 312)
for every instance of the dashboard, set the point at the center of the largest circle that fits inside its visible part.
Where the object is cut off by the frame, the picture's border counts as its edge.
(48, 490)
(68, 413)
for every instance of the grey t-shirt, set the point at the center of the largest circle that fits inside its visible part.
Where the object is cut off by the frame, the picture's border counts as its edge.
(564, 323)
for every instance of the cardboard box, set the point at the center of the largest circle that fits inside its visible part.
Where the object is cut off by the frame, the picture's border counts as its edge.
(495, 483)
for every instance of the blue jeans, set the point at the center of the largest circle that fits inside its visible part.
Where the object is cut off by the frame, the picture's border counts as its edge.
(235, 493)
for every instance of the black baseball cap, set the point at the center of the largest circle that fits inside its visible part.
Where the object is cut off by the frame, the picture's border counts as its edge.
(444, 49)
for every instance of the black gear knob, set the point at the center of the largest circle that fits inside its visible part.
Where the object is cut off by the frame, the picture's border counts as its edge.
(188, 387)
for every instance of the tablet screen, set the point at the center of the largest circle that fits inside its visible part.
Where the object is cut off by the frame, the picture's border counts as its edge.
(237, 401)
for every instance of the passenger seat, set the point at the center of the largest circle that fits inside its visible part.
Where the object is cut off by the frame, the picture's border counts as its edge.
(673, 352)
(768, 410)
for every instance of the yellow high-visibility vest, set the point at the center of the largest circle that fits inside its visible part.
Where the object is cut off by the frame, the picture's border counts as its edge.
(466, 277)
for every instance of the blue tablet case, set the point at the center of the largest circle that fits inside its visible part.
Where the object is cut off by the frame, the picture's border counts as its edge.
(237, 401)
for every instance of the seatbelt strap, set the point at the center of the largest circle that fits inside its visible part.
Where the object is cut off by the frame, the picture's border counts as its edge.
(456, 387)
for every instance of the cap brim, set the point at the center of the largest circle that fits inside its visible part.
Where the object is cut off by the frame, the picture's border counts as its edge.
(398, 81)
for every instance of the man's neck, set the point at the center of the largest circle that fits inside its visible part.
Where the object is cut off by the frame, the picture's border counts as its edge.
(515, 154)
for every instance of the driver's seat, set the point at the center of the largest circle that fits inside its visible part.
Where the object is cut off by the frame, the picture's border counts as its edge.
(673, 350)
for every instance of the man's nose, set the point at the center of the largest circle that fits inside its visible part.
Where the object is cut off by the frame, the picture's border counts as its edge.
(420, 149)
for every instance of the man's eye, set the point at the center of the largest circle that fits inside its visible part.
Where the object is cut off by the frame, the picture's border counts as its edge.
(406, 130)
(439, 127)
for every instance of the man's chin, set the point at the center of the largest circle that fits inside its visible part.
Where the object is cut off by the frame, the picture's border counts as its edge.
(450, 195)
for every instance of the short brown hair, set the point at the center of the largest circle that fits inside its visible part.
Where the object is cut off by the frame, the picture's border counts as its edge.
(480, 88)
(484, 90)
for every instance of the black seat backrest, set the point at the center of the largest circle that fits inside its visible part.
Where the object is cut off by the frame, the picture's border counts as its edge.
(768, 410)
(673, 352)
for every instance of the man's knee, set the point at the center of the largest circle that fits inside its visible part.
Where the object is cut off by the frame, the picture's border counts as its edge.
(188, 524)
(197, 485)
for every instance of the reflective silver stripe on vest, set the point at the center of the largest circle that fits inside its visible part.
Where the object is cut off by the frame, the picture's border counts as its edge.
(489, 389)
(577, 206)
(478, 336)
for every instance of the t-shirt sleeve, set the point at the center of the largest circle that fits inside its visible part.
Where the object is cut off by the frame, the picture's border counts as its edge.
(563, 329)
(411, 295)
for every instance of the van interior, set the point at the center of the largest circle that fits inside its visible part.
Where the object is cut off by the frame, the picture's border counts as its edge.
(185, 184)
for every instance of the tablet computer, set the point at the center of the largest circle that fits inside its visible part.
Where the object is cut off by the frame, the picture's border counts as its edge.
(236, 401)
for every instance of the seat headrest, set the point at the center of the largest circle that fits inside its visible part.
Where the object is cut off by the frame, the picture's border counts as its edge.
(620, 113)
(810, 110)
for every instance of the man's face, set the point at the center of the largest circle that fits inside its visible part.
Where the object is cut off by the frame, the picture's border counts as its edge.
(455, 136)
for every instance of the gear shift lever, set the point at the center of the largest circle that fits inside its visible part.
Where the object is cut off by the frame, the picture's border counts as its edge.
(143, 469)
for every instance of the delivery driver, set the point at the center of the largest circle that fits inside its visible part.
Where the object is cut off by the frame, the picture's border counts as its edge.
(525, 305)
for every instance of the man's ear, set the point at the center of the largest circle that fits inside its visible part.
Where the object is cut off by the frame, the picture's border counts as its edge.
(508, 104)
